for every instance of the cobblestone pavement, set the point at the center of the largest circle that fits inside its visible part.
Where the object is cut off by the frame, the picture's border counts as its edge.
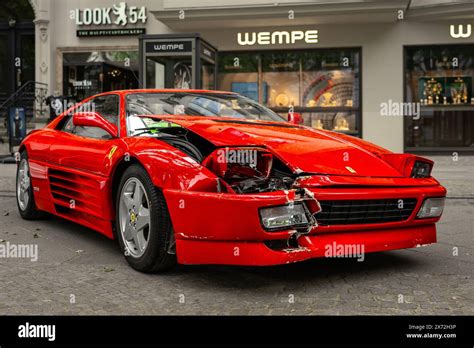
(81, 272)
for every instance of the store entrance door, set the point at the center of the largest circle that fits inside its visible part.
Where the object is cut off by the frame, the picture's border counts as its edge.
(181, 61)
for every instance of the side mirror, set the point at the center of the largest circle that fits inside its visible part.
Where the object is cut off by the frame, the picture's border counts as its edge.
(295, 118)
(94, 119)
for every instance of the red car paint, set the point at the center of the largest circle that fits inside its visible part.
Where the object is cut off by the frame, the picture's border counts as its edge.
(214, 227)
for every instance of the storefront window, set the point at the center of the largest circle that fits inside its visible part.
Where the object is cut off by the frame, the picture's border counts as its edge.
(281, 79)
(89, 73)
(440, 79)
(330, 78)
(238, 72)
(323, 85)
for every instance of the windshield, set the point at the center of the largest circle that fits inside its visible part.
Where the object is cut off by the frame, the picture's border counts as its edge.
(191, 104)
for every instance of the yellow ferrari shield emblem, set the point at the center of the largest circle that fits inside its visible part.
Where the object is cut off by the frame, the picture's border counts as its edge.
(112, 151)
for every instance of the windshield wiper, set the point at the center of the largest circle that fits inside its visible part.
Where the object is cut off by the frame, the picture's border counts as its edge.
(151, 130)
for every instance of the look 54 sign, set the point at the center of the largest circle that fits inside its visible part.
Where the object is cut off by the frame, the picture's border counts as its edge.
(108, 18)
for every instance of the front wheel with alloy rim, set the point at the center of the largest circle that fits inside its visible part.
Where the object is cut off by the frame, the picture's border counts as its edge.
(24, 191)
(143, 223)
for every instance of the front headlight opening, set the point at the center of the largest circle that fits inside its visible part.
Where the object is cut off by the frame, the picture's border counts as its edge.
(431, 208)
(421, 170)
(249, 169)
(284, 217)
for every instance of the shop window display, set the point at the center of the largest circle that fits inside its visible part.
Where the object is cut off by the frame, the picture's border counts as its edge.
(331, 79)
(281, 73)
(323, 85)
(89, 73)
(440, 78)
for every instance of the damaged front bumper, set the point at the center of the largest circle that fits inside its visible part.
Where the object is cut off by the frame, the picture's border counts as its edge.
(222, 228)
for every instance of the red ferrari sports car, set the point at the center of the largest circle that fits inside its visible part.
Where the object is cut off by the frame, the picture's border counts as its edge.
(206, 177)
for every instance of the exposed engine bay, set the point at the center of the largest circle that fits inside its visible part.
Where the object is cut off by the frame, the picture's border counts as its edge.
(242, 169)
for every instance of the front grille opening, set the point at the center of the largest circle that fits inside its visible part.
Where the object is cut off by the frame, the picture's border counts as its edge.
(358, 212)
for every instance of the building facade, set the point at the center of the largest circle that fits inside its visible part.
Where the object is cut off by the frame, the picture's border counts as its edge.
(398, 73)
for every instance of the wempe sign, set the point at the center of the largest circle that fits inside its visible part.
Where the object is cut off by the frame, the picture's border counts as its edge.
(277, 37)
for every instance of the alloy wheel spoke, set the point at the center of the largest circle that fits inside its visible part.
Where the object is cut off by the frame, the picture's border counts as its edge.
(137, 195)
(137, 242)
(26, 197)
(128, 232)
(27, 181)
(140, 241)
(128, 200)
(142, 223)
(143, 212)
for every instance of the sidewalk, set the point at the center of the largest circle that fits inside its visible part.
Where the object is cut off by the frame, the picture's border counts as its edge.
(456, 176)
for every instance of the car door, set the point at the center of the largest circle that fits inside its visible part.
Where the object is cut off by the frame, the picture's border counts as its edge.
(80, 162)
(84, 149)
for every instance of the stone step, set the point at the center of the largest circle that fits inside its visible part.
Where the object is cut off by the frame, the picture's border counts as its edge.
(4, 148)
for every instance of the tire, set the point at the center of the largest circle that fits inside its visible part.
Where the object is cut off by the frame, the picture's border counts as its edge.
(143, 224)
(185, 146)
(25, 199)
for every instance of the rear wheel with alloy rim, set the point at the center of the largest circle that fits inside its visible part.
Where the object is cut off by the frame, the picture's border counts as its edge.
(143, 224)
(24, 191)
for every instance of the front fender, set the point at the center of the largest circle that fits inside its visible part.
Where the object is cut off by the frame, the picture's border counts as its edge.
(170, 168)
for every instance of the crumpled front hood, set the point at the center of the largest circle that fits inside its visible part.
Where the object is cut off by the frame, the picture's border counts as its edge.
(302, 148)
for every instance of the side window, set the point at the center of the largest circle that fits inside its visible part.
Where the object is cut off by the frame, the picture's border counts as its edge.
(107, 106)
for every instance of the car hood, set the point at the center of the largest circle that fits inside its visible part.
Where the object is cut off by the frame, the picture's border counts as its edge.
(303, 149)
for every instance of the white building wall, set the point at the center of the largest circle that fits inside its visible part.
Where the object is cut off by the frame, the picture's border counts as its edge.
(382, 52)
